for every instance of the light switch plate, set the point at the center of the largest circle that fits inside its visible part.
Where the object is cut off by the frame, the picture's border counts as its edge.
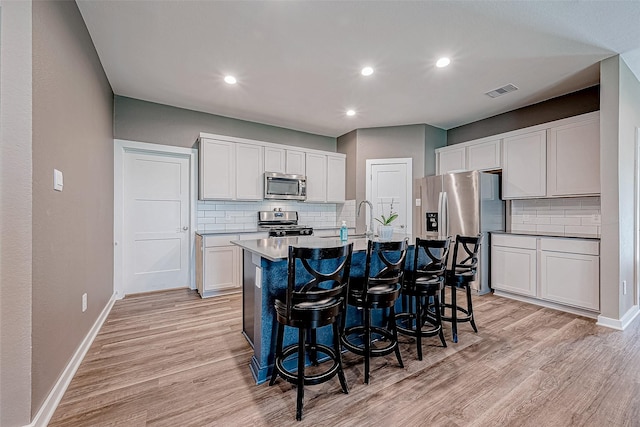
(58, 181)
(418, 202)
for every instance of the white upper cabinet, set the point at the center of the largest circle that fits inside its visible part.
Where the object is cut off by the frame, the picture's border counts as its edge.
(451, 159)
(336, 178)
(573, 166)
(524, 160)
(295, 162)
(230, 170)
(233, 169)
(217, 169)
(249, 172)
(484, 156)
(274, 159)
(316, 168)
(473, 155)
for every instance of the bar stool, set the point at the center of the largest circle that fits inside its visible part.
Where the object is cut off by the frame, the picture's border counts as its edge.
(313, 299)
(377, 291)
(463, 271)
(422, 283)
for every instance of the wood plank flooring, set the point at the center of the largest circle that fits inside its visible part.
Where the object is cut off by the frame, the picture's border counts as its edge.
(173, 359)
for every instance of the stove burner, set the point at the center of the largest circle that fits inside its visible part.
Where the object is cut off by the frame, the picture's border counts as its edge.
(281, 224)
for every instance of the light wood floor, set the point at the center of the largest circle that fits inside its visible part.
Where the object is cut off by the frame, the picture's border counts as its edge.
(173, 359)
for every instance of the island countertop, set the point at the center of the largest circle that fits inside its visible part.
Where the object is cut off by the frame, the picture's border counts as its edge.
(277, 248)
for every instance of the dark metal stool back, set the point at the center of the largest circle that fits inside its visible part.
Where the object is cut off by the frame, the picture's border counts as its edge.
(377, 290)
(423, 283)
(313, 299)
(464, 269)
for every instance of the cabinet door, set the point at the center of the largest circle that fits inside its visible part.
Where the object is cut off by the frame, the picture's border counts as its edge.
(574, 159)
(524, 160)
(221, 268)
(572, 279)
(217, 169)
(249, 178)
(484, 156)
(513, 270)
(316, 165)
(451, 159)
(274, 159)
(295, 162)
(336, 179)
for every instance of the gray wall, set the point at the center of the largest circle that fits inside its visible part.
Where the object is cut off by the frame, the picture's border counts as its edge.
(143, 121)
(573, 104)
(348, 144)
(73, 229)
(433, 138)
(383, 143)
(15, 213)
(619, 118)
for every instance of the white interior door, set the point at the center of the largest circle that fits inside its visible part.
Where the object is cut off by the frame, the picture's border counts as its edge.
(390, 187)
(156, 221)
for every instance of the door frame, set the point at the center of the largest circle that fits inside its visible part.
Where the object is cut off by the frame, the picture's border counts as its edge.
(636, 203)
(120, 148)
(408, 161)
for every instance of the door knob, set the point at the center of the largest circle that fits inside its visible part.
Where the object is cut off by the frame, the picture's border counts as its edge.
(185, 228)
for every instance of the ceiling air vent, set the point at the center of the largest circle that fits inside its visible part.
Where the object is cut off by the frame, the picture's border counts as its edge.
(501, 91)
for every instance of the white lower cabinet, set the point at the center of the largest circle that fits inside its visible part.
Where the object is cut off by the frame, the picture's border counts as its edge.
(570, 274)
(513, 260)
(218, 265)
(563, 271)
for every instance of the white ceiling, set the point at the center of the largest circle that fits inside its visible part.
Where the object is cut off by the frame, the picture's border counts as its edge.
(298, 62)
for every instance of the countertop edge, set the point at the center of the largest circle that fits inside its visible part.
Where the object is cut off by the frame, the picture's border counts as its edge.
(554, 236)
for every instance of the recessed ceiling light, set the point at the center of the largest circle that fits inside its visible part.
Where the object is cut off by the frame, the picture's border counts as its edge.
(230, 80)
(367, 71)
(351, 113)
(443, 62)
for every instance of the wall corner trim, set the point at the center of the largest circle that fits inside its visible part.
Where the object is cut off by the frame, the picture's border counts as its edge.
(50, 404)
(622, 323)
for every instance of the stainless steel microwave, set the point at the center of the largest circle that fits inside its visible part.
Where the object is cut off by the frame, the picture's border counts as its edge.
(280, 186)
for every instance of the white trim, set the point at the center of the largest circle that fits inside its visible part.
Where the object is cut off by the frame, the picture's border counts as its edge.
(52, 401)
(408, 161)
(622, 323)
(636, 200)
(544, 126)
(547, 304)
(268, 144)
(120, 147)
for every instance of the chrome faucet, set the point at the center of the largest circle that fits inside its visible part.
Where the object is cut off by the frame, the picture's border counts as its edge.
(369, 232)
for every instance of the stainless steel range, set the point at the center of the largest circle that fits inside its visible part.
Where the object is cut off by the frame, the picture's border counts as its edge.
(282, 223)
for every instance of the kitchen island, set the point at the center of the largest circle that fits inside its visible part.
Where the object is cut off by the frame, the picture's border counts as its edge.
(265, 278)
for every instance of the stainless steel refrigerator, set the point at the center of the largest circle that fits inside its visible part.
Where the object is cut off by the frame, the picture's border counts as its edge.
(464, 203)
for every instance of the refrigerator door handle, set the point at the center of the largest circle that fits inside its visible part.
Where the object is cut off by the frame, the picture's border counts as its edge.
(441, 219)
(445, 215)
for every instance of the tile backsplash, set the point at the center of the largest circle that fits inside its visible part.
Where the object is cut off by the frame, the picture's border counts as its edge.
(222, 216)
(558, 216)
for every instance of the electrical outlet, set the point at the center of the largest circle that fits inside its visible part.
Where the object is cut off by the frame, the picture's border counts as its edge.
(84, 302)
(596, 217)
(624, 287)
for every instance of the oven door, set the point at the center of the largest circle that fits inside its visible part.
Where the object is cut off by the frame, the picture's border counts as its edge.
(284, 187)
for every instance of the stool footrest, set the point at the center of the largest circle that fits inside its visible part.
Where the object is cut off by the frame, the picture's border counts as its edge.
(292, 377)
(411, 331)
(359, 349)
(467, 318)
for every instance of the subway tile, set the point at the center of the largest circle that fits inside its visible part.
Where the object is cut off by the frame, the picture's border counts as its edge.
(550, 228)
(517, 219)
(590, 220)
(206, 220)
(523, 227)
(565, 221)
(581, 212)
(549, 212)
(224, 220)
(214, 214)
(214, 227)
(540, 220)
(583, 229)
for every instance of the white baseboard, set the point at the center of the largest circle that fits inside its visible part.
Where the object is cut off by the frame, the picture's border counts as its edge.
(622, 323)
(548, 304)
(50, 404)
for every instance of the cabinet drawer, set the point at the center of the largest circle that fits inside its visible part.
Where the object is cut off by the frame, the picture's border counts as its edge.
(221, 240)
(523, 242)
(573, 246)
